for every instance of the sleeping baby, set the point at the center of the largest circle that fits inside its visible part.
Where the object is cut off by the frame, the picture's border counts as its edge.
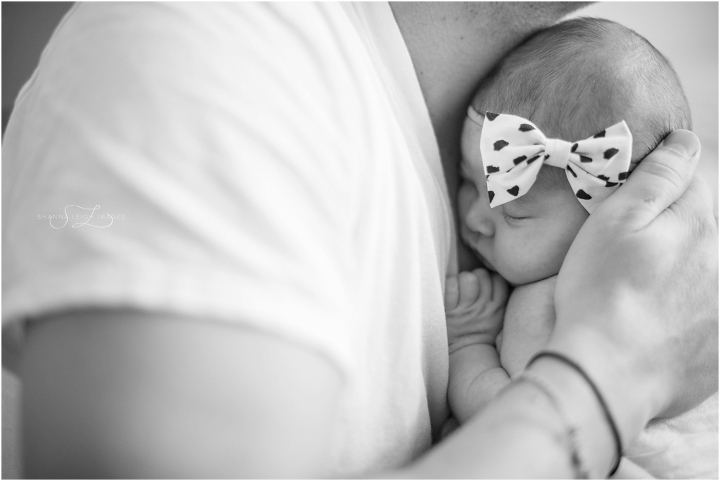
(555, 129)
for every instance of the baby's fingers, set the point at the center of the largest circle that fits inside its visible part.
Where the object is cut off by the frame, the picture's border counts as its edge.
(485, 286)
(469, 287)
(475, 288)
(452, 293)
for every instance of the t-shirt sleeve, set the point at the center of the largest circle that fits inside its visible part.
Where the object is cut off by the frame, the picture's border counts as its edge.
(189, 158)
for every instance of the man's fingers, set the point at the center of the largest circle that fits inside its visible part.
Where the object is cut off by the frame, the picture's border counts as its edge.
(659, 180)
(698, 196)
(696, 207)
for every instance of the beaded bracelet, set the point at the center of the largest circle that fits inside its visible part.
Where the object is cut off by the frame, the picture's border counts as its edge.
(601, 400)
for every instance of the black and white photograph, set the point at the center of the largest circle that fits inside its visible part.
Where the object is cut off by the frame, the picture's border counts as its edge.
(421, 240)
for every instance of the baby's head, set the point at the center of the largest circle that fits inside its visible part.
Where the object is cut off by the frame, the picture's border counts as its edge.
(572, 80)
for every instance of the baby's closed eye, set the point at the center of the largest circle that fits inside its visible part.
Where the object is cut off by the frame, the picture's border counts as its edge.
(515, 216)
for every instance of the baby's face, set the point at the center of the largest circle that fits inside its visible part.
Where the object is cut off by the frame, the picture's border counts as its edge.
(524, 240)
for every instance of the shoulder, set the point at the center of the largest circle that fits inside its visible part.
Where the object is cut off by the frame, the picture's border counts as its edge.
(173, 81)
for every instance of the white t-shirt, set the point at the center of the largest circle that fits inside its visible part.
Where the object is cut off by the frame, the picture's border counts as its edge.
(265, 165)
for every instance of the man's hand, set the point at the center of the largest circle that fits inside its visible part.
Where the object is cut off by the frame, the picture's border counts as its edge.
(474, 306)
(636, 297)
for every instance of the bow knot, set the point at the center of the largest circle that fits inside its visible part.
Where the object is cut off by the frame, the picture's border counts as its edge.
(513, 151)
(557, 152)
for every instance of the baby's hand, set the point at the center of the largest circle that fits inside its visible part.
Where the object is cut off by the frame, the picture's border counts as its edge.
(474, 307)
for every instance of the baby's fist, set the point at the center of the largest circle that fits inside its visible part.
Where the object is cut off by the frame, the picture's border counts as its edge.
(474, 306)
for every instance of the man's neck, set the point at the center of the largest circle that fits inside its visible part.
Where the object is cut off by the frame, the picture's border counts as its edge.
(453, 46)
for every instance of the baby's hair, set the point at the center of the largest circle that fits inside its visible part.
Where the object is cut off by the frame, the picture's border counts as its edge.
(580, 76)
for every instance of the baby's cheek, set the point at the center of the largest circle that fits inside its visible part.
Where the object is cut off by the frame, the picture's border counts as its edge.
(552, 263)
(465, 199)
(532, 260)
(516, 263)
(555, 249)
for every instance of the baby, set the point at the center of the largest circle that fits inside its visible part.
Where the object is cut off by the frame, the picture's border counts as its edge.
(611, 97)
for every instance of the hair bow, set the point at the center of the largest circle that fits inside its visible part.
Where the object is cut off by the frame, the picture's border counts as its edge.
(513, 150)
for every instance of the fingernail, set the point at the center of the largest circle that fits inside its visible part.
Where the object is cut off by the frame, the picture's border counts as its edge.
(683, 142)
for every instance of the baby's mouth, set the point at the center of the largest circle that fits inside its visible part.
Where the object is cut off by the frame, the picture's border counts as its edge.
(485, 262)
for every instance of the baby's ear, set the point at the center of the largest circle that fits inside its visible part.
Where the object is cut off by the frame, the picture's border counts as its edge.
(452, 293)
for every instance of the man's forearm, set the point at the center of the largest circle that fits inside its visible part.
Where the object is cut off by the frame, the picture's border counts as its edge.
(518, 436)
(523, 434)
(130, 394)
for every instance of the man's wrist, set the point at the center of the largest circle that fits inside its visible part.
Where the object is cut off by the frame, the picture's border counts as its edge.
(522, 424)
(582, 411)
(631, 396)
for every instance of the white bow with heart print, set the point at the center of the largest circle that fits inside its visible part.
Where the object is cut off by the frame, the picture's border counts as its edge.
(513, 151)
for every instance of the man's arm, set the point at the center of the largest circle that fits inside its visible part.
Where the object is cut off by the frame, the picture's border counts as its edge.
(136, 395)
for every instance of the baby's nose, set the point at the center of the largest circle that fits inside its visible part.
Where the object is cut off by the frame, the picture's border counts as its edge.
(479, 218)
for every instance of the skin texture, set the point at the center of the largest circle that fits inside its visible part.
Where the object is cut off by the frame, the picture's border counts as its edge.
(138, 395)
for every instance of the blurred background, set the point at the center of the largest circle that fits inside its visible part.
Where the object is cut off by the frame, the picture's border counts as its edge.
(26, 28)
(685, 32)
